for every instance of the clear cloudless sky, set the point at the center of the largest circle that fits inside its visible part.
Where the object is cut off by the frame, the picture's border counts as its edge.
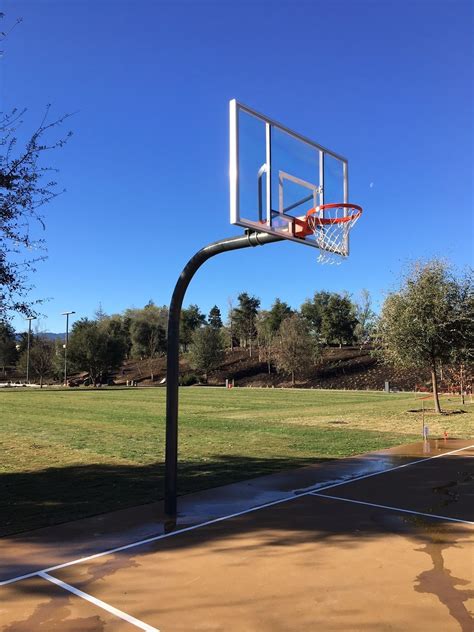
(387, 83)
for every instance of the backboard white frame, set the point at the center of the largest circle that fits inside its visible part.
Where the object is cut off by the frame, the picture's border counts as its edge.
(265, 225)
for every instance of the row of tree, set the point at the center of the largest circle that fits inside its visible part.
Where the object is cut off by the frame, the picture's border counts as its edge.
(428, 324)
(286, 344)
(99, 345)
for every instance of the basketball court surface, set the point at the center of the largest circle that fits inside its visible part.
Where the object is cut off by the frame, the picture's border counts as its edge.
(383, 541)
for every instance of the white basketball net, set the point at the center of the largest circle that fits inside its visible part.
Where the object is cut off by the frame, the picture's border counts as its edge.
(331, 225)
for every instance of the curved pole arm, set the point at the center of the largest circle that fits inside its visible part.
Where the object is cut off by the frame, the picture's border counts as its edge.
(250, 239)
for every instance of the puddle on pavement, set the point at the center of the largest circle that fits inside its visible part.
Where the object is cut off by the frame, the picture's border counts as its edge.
(52, 617)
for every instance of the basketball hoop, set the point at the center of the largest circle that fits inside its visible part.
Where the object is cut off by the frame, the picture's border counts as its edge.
(331, 225)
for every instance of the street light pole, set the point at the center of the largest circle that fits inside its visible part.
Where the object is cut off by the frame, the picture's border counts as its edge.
(29, 319)
(67, 314)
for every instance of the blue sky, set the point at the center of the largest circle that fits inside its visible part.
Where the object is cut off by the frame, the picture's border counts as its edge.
(386, 83)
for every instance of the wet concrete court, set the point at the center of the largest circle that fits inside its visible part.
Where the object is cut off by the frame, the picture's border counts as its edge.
(345, 545)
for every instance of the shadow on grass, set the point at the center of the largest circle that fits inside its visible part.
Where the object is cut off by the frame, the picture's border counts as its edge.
(29, 500)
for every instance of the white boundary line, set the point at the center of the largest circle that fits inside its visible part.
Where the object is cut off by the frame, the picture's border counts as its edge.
(222, 518)
(409, 511)
(391, 469)
(151, 539)
(98, 602)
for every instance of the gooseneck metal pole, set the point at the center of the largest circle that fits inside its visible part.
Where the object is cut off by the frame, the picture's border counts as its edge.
(250, 239)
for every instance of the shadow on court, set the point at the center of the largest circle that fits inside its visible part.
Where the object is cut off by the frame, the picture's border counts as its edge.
(58, 495)
(380, 519)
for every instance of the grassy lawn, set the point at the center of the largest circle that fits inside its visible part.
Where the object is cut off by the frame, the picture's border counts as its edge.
(72, 453)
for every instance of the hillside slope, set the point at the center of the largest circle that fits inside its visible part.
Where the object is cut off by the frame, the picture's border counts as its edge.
(346, 368)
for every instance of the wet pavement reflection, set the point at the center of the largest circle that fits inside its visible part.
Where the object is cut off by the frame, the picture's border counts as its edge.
(307, 562)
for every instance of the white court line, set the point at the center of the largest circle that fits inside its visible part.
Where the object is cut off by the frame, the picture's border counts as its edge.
(221, 518)
(98, 602)
(416, 513)
(151, 539)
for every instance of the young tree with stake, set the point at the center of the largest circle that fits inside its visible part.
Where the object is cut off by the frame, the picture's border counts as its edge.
(297, 349)
(426, 320)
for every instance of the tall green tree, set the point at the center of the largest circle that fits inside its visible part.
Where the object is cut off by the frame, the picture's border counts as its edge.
(461, 360)
(339, 320)
(117, 327)
(231, 323)
(244, 317)
(277, 314)
(214, 319)
(148, 335)
(94, 348)
(427, 319)
(331, 317)
(206, 350)
(153, 313)
(268, 324)
(313, 311)
(191, 319)
(41, 359)
(297, 349)
(8, 351)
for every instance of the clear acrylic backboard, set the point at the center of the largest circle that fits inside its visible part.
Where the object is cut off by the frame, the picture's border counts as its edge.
(277, 176)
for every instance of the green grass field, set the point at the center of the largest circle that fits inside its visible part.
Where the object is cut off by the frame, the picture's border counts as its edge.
(67, 454)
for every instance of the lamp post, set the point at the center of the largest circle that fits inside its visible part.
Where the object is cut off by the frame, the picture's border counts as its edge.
(67, 314)
(29, 319)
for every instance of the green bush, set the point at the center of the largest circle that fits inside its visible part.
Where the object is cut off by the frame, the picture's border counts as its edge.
(188, 380)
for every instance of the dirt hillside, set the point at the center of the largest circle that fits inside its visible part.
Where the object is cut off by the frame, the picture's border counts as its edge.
(346, 368)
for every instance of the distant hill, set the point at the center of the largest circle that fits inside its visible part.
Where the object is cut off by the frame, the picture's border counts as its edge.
(47, 334)
(53, 336)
